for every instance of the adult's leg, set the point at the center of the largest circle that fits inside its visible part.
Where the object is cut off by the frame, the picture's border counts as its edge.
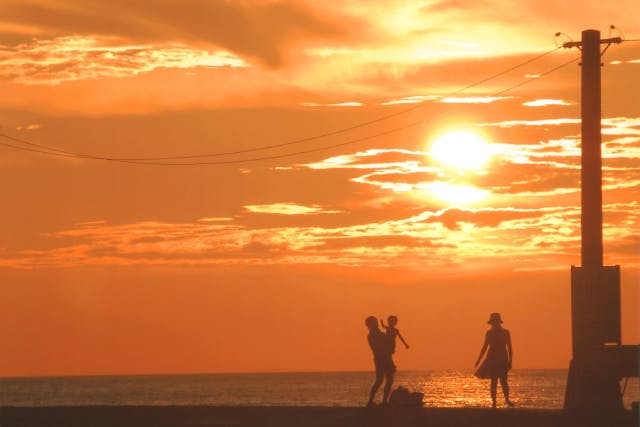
(387, 386)
(376, 385)
(494, 391)
(505, 389)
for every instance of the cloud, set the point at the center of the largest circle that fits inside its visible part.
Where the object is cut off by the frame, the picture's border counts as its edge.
(453, 217)
(262, 249)
(631, 61)
(77, 58)
(30, 126)
(456, 5)
(215, 219)
(254, 29)
(288, 209)
(621, 126)
(542, 122)
(473, 99)
(337, 243)
(513, 237)
(546, 170)
(610, 125)
(147, 239)
(373, 159)
(415, 99)
(90, 223)
(545, 102)
(338, 104)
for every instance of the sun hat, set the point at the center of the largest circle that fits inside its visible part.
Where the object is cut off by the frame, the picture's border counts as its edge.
(494, 318)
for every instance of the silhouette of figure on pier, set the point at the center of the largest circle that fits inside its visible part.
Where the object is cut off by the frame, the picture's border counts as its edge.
(499, 358)
(392, 332)
(382, 358)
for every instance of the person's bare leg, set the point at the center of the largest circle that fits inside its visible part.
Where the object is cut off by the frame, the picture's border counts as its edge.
(505, 390)
(494, 391)
(374, 388)
(387, 388)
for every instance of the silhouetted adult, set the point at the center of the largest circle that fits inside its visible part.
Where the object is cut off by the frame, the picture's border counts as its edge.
(382, 359)
(499, 358)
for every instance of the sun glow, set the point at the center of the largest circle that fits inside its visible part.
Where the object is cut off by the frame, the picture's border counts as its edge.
(461, 150)
(462, 194)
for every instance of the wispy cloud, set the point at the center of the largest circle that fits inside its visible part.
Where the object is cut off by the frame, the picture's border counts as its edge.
(372, 159)
(30, 126)
(514, 237)
(256, 29)
(474, 99)
(621, 126)
(288, 209)
(72, 58)
(543, 122)
(545, 102)
(416, 99)
(337, 104)
(631, 61)
(447, 99)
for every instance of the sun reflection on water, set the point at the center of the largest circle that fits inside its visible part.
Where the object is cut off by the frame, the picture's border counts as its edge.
(459, 389)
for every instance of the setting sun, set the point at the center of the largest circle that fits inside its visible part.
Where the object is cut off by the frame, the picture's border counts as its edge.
(461, 150)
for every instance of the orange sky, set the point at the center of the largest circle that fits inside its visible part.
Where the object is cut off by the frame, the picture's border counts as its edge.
(272, 265)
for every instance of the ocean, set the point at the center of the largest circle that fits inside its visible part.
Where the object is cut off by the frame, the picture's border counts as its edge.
(529, 389)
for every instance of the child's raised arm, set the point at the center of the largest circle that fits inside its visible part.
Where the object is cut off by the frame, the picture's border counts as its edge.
(402, 339)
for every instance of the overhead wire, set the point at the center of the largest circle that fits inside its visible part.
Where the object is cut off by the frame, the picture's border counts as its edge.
(33, 150)
(540, 75)
(43, 149)
(160, 161)
(301, 140)
(351, 141)
(281, 156)
(337, 131)
(357, 140)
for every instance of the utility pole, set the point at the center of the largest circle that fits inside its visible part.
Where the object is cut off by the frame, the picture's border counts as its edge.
(599, 359)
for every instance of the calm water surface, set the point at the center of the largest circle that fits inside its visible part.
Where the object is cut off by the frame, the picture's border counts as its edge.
(529, 389)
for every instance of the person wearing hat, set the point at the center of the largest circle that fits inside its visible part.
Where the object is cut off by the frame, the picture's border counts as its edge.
(499, 358)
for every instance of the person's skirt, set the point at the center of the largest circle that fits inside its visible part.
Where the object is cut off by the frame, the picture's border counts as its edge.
(492, 368)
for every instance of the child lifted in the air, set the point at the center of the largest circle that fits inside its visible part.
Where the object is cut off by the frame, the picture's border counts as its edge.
(392, 332)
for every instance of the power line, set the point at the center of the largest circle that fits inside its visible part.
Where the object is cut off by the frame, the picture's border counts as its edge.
(280, 156)
(43, 149)
(17, 147)
(348, 128)
(541, 75)
(293, 142)
(53, 151)
(353, 141)
(156, 161)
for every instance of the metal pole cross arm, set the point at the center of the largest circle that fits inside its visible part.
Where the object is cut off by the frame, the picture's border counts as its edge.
(571, 44)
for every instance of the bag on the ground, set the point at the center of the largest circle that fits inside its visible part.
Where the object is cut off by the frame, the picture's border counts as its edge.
(401, 396)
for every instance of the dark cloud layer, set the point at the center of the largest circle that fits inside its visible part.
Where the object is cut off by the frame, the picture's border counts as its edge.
(260, 30)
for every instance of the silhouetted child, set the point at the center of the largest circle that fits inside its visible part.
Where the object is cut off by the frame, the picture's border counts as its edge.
(392, 332)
